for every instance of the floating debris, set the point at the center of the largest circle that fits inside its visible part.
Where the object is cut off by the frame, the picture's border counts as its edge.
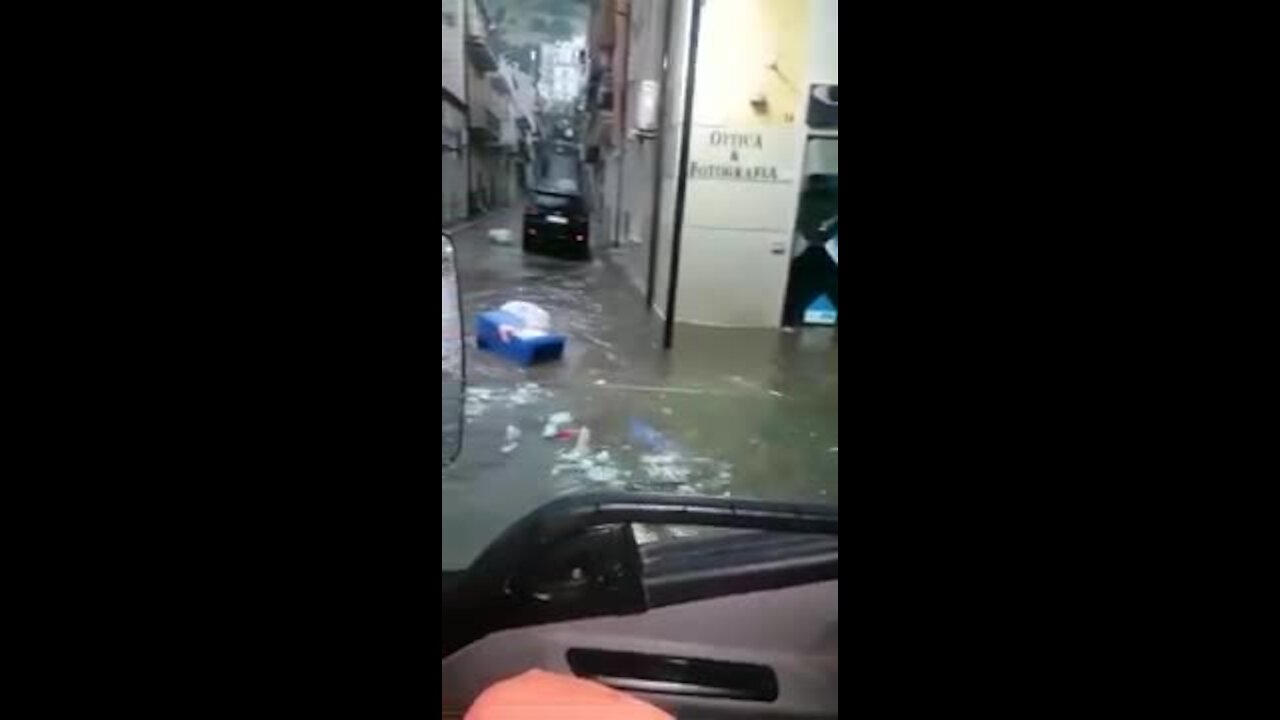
(513, 440)
(581, 468)
(554, 424)
(665, 469)
(533, 317)
(584, 442)
(650, 438)
(674, 472)
(527, 394)
(481, 400)
(603, 474)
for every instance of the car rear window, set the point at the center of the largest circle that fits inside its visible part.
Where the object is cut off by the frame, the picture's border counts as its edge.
(553, 202)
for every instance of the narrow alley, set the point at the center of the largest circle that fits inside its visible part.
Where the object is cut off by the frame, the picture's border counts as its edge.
(743, 413)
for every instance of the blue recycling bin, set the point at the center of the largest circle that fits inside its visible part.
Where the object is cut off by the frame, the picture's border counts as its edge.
(522, 346)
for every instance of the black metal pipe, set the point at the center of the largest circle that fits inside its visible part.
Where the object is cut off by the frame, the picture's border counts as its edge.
(682, 180)
(624, 38)
(660, 152)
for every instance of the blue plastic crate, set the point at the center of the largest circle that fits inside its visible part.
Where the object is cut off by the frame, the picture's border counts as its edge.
(524, 351)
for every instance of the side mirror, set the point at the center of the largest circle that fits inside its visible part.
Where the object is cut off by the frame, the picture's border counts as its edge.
(452, 360)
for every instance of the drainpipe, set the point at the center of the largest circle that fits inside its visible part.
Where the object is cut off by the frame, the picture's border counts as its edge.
(682, 179)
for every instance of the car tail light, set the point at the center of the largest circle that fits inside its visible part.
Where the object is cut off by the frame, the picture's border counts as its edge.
(581, 239)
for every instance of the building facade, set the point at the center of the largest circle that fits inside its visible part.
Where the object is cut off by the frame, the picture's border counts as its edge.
(453, 114)
(485, 131)
(761, 182)
(562, 77)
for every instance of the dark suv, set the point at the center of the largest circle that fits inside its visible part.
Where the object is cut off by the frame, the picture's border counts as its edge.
(556, 223)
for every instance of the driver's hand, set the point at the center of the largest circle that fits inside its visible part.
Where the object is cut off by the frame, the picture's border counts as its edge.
(539, 695)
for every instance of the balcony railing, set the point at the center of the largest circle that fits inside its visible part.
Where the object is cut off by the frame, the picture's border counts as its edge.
(486, 127)
(481, 56)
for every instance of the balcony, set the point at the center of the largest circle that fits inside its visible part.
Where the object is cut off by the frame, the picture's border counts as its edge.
(481, 56)
(486, 127)
(450, 139)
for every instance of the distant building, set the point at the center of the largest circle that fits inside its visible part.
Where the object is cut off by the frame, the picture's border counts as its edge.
(526, 26)
(562, 77)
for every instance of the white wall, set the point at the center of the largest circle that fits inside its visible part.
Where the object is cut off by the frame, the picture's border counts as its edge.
(824, 61)
(736, 246)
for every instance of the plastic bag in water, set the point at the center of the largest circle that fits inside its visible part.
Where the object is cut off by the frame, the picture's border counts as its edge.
(533, 317)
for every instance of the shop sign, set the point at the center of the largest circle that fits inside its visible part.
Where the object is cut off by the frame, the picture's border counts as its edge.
(741, 156)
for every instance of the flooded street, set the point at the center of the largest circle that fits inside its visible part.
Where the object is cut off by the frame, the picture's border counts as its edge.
(743, 413)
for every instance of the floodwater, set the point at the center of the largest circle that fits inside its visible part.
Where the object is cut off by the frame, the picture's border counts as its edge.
(727, 413)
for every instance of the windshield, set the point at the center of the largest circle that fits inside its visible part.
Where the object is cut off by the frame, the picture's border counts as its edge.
(685, 339)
